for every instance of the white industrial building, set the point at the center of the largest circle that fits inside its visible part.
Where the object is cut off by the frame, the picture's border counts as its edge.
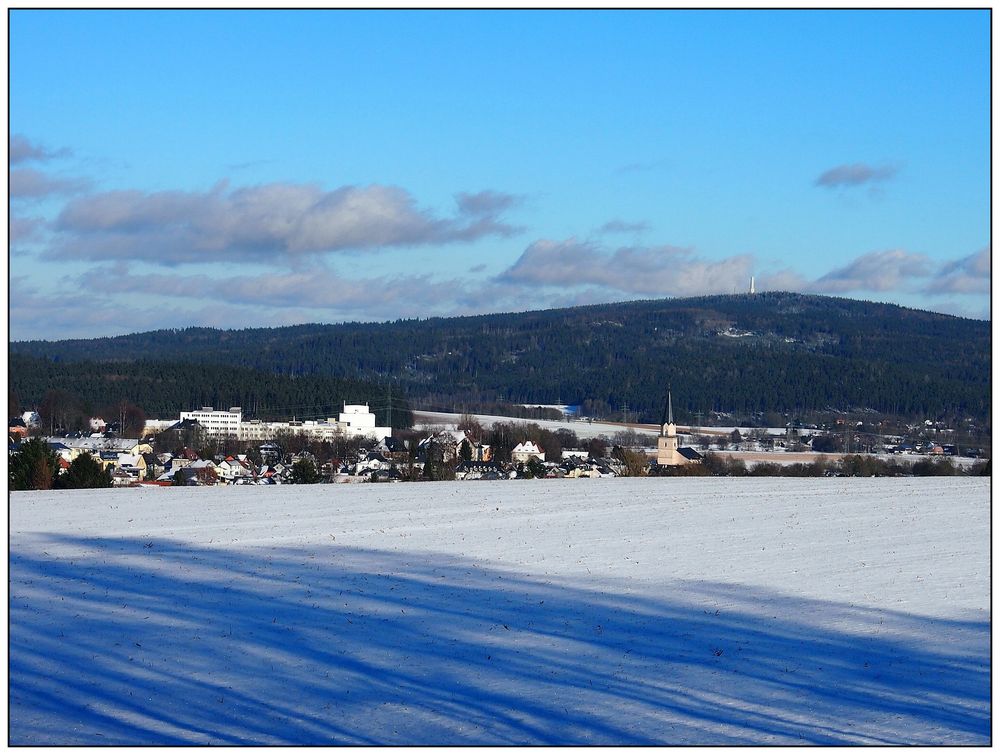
(217, 422)
(357, 420)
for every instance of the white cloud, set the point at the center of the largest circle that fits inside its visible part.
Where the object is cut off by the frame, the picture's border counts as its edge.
(20, 150)
(876, 271)
(315, 289)
(24, 229)
(28, 183)
(266, 221)
(652, 271)
(969, 275)
(556, 263)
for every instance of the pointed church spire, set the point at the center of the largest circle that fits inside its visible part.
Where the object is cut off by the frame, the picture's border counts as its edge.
(663, 417)
(667, 417)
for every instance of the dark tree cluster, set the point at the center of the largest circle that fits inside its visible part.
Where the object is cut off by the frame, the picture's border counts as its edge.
(855, 465)
(36, 467)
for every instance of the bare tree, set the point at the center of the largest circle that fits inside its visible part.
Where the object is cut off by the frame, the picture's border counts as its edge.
(472, 428)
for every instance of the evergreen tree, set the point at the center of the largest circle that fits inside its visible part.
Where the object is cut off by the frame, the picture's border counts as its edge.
(304, 472)
(84, 472)
(33, 467)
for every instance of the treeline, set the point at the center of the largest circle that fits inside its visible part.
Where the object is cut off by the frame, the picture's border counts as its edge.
(68, 393)
(781, 352)
(855, 465)
(35, 466)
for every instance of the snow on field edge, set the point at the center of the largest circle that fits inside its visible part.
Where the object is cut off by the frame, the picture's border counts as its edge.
(707, 611)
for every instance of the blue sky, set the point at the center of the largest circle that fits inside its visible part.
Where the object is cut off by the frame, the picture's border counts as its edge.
(249, 168)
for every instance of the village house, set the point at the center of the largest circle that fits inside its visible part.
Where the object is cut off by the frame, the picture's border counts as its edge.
(393, 448)
(134, 465)
(17, 429)
(479, 470)
(154, 467)
(523, 452)
(578, 471)
(475, 451)
(372, 462)
(121, 478)
(385, 475)
(201, 472)
(95, 444)
(445, 442)
(110, 452)
(233, 469)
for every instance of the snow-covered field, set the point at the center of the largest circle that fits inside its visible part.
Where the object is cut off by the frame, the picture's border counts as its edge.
(619, 611)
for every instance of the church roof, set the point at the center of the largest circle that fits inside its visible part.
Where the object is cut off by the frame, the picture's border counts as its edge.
(668, 413)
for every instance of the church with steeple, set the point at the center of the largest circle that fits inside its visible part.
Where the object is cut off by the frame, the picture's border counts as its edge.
(667, 452)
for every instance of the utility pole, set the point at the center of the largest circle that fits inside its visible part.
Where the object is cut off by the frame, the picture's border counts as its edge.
(390, 404)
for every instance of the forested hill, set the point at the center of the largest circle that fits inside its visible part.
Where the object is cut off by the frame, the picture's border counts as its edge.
(744, 353)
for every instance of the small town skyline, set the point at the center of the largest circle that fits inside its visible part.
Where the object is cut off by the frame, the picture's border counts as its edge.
(236, 169)
(210, 446)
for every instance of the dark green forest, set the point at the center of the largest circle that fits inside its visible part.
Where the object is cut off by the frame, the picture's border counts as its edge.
(771, 352)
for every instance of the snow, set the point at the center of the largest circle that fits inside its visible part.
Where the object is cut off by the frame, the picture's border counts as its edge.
(583, 428)
(621, 611)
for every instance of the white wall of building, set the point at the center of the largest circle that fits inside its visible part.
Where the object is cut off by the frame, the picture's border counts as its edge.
(218, 423)
(355, 421)
(358, 420)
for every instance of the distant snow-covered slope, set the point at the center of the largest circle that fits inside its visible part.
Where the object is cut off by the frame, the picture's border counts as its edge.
(585, 429)
(620, 611)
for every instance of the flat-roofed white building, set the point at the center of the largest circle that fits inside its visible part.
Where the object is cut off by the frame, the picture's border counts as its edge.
(218, 423)
(355, 421)
(256, 429)
(327, 429)
(359, 421)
